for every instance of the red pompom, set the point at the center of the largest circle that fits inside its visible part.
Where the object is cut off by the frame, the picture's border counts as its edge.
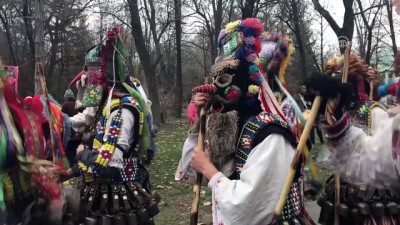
(233, 93)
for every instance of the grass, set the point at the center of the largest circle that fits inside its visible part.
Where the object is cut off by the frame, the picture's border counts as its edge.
(176, 196)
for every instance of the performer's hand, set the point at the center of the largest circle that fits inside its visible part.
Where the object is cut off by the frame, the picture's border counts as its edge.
(200, 100)
(63, 175)
(201, 163)
(80, 148)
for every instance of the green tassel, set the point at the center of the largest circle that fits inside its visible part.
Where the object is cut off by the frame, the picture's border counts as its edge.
(145, 145)
(2, 204)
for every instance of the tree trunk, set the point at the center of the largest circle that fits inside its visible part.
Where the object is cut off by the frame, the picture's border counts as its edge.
(346, 31)
(321, 54)
(27, 16)
(299, 37)
(39, 41)
(248, 9)
(389, 8)
(178, 84)
(145, 60)
(9, 39)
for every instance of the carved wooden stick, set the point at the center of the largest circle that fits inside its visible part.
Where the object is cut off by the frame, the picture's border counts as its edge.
(297, 158)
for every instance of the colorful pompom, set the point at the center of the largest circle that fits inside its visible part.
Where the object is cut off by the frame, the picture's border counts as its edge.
(253, 69)
(232, 93)
(254, 24)
(253, 89)
(230, 27)
(250, 100)
(256, 78)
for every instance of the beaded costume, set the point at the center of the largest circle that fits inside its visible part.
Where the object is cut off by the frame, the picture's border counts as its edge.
(115, 187)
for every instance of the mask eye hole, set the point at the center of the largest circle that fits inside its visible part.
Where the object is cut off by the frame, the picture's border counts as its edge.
(223, 80)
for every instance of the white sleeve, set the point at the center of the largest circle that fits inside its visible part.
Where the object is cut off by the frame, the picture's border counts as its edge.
(125, 138)
(185, 172)
(82, 121)
(363, 158)
(253, 197)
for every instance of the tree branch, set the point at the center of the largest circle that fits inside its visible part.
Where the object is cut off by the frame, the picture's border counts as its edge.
(328, 17)
(116, 17)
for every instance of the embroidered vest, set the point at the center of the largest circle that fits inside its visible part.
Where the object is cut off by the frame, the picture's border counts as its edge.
(292, 209)
(250, 130)
(107, 148)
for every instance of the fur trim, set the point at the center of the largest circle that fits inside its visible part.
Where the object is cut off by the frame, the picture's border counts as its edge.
(222, 150)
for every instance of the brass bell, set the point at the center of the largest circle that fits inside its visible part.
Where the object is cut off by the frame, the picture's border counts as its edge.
(343, 209)
(131, 218)
(152, 208)
(90, 221)
(156, 196)
(119, 219)
(363, 208)
(392, 208)
(355, 214)
(143, 216)
(378, 208)
(106, 220)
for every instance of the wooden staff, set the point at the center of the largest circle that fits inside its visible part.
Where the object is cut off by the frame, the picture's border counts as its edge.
(297, 158)
(42, 79)
(337, 176)
(194, 213)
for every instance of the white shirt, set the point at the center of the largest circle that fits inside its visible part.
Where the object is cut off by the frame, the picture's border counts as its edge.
(252, 199)
(365, 159)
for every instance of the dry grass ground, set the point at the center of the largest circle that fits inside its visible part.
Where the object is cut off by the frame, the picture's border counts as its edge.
(176, 197)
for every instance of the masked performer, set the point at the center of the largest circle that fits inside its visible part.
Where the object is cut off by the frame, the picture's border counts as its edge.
(250, 142)
(361, 153)
(116, 186)
(28, 192)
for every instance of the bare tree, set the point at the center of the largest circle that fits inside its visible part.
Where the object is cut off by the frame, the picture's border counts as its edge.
(178, 85)
(145, 58)
(39, 41)
(6, 14)
(211, 21)
(368, 24)
(389, 10)
(347, 28)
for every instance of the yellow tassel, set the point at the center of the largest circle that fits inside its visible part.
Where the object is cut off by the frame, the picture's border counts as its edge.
(230, 27)
(285, 63)
(98, 159)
